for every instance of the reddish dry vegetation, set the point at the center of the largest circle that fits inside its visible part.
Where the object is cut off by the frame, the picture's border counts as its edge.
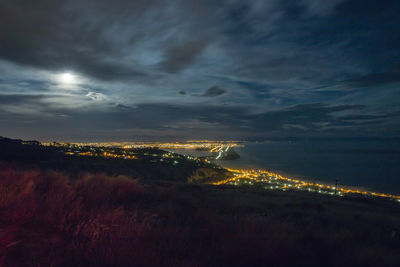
(97, 220)
(46, 220)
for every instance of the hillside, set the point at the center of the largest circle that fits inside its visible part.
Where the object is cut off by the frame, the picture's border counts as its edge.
(147, 164)
(106, 216)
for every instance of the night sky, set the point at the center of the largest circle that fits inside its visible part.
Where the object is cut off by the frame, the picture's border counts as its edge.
(124, 70)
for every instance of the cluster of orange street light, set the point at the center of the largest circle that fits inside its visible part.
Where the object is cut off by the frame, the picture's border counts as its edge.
(285, 183)
(103, 154)
(189, 145)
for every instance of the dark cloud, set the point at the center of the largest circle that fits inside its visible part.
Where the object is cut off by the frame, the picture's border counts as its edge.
(15, 99)
(185, 121)
(321, 8)
(362, 117)
(310, 119)
(375, 79)
(181, 55)
(292, 68)
(308, 116)
(56, 36)
(121, 106)
(213, 92)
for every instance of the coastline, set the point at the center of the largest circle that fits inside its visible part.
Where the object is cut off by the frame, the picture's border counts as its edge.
(250, 162)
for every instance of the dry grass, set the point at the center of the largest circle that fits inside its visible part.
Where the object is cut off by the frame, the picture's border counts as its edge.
(47, 219)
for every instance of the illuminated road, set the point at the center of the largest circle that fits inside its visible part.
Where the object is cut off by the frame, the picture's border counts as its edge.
(274, 181)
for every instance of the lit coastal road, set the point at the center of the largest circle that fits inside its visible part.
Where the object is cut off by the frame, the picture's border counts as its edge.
(274, 181)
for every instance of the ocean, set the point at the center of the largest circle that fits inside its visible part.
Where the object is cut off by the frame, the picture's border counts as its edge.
(371, 165)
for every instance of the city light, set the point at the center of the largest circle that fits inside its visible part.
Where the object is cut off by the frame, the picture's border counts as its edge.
(261, 177)
(240, 177)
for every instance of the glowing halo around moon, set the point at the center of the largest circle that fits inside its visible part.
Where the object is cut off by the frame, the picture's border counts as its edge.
(67, 78)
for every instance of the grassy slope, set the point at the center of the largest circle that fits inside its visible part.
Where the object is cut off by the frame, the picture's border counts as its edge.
(97, 220)
(53, 158)
(69, 218)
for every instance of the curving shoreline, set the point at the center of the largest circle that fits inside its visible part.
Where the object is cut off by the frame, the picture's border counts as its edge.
(254, 175)
(273, 181)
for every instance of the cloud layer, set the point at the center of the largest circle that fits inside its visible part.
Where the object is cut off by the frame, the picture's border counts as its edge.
(176, 69)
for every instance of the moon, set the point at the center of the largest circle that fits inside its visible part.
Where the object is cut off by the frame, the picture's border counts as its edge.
(67, 78)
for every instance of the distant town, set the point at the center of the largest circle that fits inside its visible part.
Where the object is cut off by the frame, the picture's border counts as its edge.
(219, 150)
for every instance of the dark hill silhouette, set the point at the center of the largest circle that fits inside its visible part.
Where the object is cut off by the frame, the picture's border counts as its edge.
(31, 153)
